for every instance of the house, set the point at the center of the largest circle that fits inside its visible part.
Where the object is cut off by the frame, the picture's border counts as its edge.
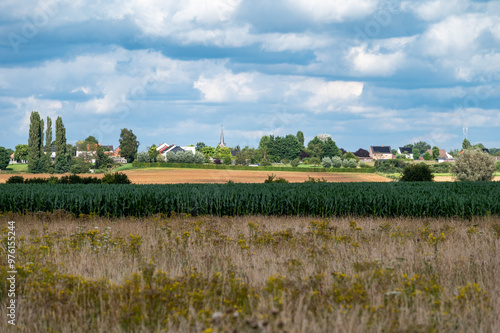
(12, 159)
(497, 158)
(88, 151)
(407, 152)
(443, 156)
(164, 148)
(381, 153)
(365, 159)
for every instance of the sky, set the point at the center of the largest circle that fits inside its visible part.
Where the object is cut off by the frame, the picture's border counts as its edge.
(367, 72)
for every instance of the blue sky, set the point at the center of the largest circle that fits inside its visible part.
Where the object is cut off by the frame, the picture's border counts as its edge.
(367, 72)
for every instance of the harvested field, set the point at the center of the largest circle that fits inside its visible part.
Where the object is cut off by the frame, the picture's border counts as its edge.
(179, 176)
(253, 274)
(201, 176)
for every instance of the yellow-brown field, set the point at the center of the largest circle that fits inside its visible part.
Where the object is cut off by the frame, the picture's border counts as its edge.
(180, 176)
(254, 274)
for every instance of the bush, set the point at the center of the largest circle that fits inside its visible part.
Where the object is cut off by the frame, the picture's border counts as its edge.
(79, 166)
(390, 166)
(199, 158)
(314, 180)
(35, 180)
(441, 167)
(326, 162)
(15, 180)
(336, 162)
(171, 157)
(271, 179)
(285, 161)
(349, 163)
(474, 165)
(419, 172)
(115, 178)
(217, 161)
(265, 162)
(295, 163)
(143, 156)
(315, 160)
(350, 155)
(498, 166)
(227, 160)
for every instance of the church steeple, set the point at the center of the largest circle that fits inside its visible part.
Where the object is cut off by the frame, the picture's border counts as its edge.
(222, 143)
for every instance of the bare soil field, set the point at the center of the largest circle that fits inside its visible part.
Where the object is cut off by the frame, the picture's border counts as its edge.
(176, 176)
(181, 176)
(450, 179)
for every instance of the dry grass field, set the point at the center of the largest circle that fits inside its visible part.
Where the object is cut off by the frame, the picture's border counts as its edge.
(254, 274)
(180, 176)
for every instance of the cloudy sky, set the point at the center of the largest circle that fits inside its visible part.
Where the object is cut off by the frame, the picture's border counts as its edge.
(367, 72)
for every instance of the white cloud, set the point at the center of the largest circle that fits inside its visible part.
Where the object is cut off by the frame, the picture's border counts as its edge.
(458, 36)
(228, 87)
(436, 9)
(336, 10)
(375, 63)
(294, 42)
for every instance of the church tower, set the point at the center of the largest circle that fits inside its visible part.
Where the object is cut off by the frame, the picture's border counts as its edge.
(222, 143)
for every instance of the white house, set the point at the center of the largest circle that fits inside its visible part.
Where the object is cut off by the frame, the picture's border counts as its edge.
(407, 152)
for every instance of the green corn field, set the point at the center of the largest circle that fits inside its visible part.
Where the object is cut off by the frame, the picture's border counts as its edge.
(463, 200)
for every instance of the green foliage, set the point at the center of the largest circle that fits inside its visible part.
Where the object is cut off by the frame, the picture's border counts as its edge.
(315, 161)
(198, 158)
(435, 152)
(314, 180)
(351, 156)
(498, 166)
(295, 162)
(128, 145)
(474, 165)
(300, 138)
(421, 146)
(143, 157)
(427, 156)
(285, 161)
(103, 161)
(398, 199)
(35, 149)
(4, 158)
(349, 163)
(441, 167)
(265, 162)
(21, 153)
(272, 179)
(200, 146)
(62, 160)
(153, 153)
(417, 172)
(326, 162)
(336, 162)
(15, 180)
(80, 166)
(466, 144)
(390, 166)
(115, 178)
(416, 153)
(227, 160)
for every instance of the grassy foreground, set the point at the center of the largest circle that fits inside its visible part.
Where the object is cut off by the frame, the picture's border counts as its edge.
(253, 274)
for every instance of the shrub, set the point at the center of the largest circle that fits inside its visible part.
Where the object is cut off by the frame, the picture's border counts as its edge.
(427, 156)
(349, 163)
(35, 180)
(315, 160)
(53, 180)
(265, 162)
(217, 161)
(326, 162)
(314, 180)
(419, 172)
(474, 165)
(295, 163)
(390, 166)
(79, 166)
(171, 157)
(143, 156)
(336, 162)
(350, 155)
(271, 179)
(227, 160)
(285, 161)
(15, 180)
(71, 179)
(498, 166)
(199, 158)
(115, 178)
(441, 167)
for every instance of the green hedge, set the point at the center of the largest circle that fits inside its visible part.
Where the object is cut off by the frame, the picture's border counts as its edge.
(245, 167)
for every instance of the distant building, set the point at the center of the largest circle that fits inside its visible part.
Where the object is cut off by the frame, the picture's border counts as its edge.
(222, 143)
(407, 152)
(381, 153)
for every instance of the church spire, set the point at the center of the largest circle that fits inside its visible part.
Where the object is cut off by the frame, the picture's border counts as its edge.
(222, 143)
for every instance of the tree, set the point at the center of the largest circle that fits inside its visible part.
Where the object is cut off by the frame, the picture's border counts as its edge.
(466, 144)
(143, 157)
(153, 153)
(427, 156)
(91, 139)
(102, 160)
(435, 152)
(300, 138)
(284, 147)
(474, 165)
(35, 149)
(326, 162)
(48, 144)
(200, 146)
(295, 163)
(330, 149)
(421, 146)
(336, 162)
(417, 172)
(128, 145)
(416, 153)
(21, 153)
(61, 164)
(350, 156)
(362, 153)
(4, 158)
(394, 152)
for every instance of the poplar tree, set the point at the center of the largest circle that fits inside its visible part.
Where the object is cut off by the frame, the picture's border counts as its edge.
(35, 144)
(62, 157)
(48, 143)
